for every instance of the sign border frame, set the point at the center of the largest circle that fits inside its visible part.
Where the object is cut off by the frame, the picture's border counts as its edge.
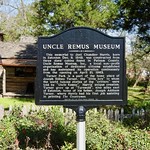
(79, 102)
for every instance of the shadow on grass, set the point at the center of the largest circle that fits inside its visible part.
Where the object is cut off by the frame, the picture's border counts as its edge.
(25, 99)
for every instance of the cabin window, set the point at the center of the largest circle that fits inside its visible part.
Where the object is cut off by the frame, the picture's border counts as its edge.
(24, 72)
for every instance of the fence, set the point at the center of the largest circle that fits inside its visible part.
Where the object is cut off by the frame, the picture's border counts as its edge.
(117, 114)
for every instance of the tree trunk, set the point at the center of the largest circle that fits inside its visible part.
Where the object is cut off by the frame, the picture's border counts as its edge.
(147, 79)
(138, 79)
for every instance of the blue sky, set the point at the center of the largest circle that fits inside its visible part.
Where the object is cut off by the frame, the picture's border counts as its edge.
(9, 6)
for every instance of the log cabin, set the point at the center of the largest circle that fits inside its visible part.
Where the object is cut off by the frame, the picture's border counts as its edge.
(17, 67)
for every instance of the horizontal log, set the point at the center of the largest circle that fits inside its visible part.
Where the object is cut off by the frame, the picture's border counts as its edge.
(20, 78)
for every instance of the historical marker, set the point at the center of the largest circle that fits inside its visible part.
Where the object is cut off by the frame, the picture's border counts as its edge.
(81, 66)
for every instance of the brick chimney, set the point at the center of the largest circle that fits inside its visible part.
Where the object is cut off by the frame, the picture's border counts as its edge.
(1, 36)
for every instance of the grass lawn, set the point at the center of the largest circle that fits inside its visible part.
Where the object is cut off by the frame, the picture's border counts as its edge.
(6, 102)
(137, 97)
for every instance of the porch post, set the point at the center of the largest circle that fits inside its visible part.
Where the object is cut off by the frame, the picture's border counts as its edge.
(4, 81)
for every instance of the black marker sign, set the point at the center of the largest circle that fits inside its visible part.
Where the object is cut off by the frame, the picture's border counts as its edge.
(81, 66)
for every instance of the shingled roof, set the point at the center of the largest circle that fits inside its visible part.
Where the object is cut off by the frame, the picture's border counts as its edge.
(18, 50)
(18, 53)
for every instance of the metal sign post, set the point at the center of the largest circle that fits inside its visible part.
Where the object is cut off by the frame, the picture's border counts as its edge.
(81, 136)
(81, 139)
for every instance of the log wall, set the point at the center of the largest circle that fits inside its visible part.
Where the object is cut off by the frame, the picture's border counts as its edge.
(18, 85)
(1, 79)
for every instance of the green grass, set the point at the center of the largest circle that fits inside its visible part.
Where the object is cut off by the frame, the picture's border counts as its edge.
(6, 102)
(138, 98)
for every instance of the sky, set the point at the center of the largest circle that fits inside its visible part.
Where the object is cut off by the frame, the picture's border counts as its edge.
(9, 6)
(129, 38)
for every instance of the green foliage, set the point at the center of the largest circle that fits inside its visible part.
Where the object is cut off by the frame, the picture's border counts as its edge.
(57, 15)
(18, 24)
(47, 130)
(8, 134)
(133, 16)
(68, 146)
(39, 129)
(140, 122)
(137, 98)
(46, 17)
(138, 62)
(103, 134)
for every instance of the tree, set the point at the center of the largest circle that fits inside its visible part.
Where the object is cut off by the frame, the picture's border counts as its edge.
(134, 16)
(16, 24)
(139, 63)
(53, 16)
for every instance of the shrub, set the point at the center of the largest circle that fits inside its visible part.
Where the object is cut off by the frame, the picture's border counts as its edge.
(8, 134)
(38, 130)
(104, 134)
(140, 122)
(47, 130)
